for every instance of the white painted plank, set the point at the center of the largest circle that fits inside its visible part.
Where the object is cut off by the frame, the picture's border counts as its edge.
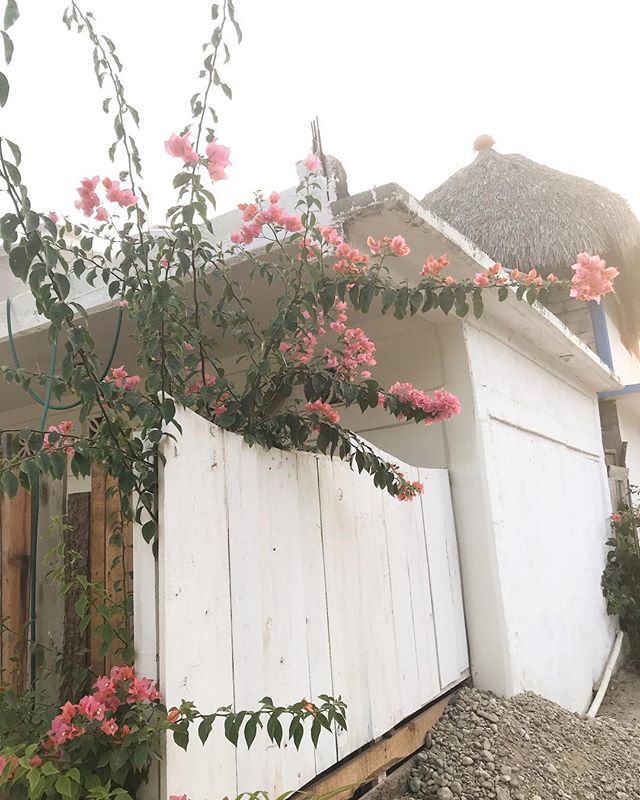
(411, 596)
(267, 523)
(344, 576)
(315, 599)
(445, 575)
(194, 618)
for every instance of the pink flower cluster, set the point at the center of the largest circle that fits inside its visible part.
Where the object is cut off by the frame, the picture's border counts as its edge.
(434, 266)
(354, 350)
(218, 160)
(120, 687)
(218, 406)
(394, 245)
(312, 162)
(13, 760)
(350, 260)
(407, 490)
(442, 406)
(180, 147)
(64, 442)
(217, 155)
(89, 198)
(114, 194)
(592, 278)
(323, 410)
(122, 379)
(255, 217)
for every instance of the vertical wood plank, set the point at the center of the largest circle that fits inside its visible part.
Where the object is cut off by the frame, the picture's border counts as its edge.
(414, 630)
(442, 548)
(268, 602)
(194, 613)
(76, 540)
(49, 600)
(15, 534)
(97, 559)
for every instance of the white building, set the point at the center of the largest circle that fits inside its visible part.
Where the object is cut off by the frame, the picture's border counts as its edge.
(525, 458)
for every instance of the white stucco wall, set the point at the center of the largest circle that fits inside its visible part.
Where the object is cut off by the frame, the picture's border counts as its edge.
(541, 466)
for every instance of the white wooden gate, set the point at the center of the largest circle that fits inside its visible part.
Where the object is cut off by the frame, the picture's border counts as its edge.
(289, 574)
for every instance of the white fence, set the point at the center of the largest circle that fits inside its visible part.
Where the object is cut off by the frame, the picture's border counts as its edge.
(291, 575)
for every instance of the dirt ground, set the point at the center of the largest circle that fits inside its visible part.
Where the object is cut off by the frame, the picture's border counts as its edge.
(622, 700)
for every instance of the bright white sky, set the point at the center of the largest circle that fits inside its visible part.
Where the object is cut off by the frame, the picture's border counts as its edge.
(401, 88)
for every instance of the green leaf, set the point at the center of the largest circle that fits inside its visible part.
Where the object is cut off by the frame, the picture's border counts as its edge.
(11, 14)
(181, 738)
(8, 47)
(64, 787)
(9, 483)
(4, 89)
(204, 729)
(250, 730)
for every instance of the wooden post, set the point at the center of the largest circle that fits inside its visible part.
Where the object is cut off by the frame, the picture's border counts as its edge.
(110, 559)
(15, 547)
(76, 539)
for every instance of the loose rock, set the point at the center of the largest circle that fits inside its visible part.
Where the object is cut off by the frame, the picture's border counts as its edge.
(525, 748)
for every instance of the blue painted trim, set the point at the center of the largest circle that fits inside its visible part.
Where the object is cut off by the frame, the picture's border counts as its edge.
(632, 388)
(601, 332)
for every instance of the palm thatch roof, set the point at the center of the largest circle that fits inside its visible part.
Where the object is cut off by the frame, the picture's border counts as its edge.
(524, 214)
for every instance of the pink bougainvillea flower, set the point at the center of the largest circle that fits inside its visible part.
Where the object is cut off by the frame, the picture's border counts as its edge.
(323, 410)
(173, 715)
(62, 443)
(188, 347)
(218, 160)
(274, 198)
(91, 708)
(127, 198)
(481, 279)
(124, 304)
(109, 727)
(515, 274)
(114, 194)
(398, 246)
(88, 197)
(53, 216)
(101, 214)
(331, 235)
(180, 147)
(616, 517)
(592, 278)
(312, 162)
(441, 406)
(178, 797)
(35, 761)
(123, 380)
(450, 280)
(374, 245)
(552, 278)
(434, 266)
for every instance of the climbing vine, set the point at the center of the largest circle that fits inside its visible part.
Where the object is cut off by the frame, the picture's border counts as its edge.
(621, 576)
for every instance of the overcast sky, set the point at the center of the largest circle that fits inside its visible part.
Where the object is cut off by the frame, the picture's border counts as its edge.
(401, 89)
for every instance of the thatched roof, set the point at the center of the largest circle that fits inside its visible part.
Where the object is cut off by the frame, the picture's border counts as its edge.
(525, 215)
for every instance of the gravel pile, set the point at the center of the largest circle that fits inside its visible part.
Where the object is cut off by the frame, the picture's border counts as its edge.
(526, 748)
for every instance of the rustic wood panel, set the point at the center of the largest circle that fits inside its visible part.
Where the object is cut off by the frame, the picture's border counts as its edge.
(110, 559)
(97, 556)
(76, 539)
(376, 758)
(49, 600)
(15, 547)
